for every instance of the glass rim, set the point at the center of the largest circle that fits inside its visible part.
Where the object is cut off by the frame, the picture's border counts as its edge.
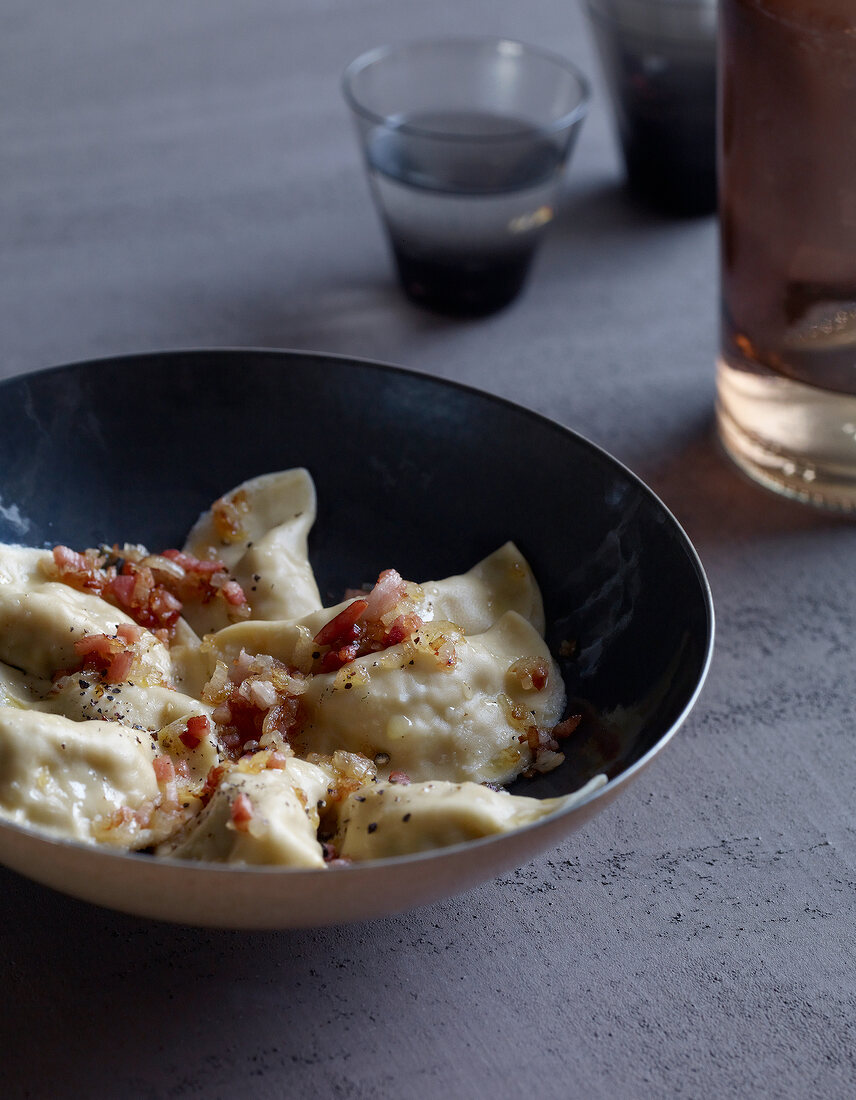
(380, 53)
(681, 20)
(689, 5)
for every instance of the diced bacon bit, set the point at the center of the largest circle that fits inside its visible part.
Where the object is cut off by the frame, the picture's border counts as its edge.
(68, 560)
(193, 565)
(165, 775)
(196, 731)
(540, 675)
(106, 654)
(123, 816)
(122, 589)
(82, 571)
(163, 609)
(335, 659)
(362, 627)
(566, 728)
(389, 590)
(401, 778)
(233, 594)
(258, 696)
(342, 629)
(537, 739)
(227, 516)
(137, 592)
(402, 627)
(277, 761)
(99, 644)
(212, 781)
(164, 769)
(129, 632)
(119, 668)
(242, 813)
(152, 589)
(545, 750)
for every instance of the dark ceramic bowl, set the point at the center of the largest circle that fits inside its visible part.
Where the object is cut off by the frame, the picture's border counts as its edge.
(411, 471)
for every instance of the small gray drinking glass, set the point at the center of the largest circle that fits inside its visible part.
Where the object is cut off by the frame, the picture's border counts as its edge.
(465, 143)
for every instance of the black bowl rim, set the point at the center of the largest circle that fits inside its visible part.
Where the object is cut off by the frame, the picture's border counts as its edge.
(606, 791)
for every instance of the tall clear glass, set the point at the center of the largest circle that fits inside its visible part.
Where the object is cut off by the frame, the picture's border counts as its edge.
(787, 369)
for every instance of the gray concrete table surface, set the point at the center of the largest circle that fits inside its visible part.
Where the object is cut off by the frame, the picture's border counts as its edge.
(177, 175)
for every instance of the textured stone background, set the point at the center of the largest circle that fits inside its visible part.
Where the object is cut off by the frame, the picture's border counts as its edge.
(185, 174)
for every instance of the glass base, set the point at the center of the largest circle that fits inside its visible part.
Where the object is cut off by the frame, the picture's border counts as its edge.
(794, 439)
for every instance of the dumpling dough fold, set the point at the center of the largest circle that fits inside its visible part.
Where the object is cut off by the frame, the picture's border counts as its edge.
(396, 820)
(283, 824)
(63, 776)
(474, 600)
(266, 553)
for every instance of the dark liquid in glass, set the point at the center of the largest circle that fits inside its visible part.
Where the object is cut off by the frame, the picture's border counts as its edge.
(463, 213)
(665, 105)
(786, 377)
(669, 140)
(789, 190)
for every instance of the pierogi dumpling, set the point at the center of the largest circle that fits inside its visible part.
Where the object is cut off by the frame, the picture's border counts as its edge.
(64, 776)
(41, 619)
(259, 531)
(396, 819)
(461, 719)
(269, 816)
(475, 600)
